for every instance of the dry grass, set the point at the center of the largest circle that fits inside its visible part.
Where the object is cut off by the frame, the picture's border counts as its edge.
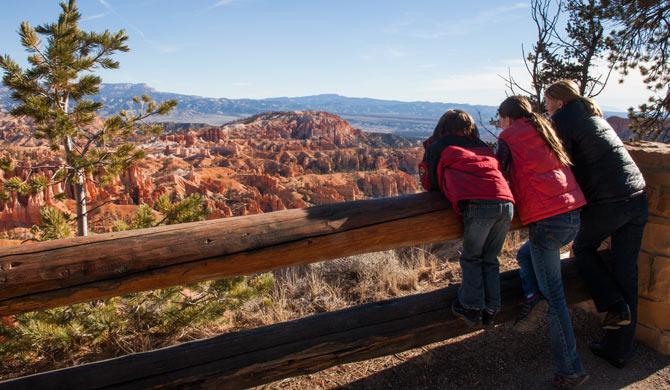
(340, 283)
(336, 284)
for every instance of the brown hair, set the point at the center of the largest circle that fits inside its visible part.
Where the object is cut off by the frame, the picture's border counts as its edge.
(516, 107)
(568, 91)
(456, 122)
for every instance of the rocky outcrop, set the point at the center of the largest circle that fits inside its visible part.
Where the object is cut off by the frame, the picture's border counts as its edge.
(621, 127)
(17, 131)
(265, 163)
(327, 129)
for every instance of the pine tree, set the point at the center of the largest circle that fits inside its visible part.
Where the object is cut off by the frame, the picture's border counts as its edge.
(53, 91)
(642, 41)
(569, 54)
(583, 45)
(190, 209)
(54, 225)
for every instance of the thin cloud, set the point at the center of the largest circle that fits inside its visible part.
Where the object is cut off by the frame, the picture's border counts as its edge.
(166, 49)
(483, 85)
(96, 16)
(399, 26)
(157, 46)
(392, 52)
(467, 25)
(221, 3)
(106, 5)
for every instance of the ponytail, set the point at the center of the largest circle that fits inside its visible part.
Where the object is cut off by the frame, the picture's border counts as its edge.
(591, 106)
(547, 132)
(516, 107)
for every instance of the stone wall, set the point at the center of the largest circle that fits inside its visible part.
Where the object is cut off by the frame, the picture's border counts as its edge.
(654, 263)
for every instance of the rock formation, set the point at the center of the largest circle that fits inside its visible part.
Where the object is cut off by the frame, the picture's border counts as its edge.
(264, 163)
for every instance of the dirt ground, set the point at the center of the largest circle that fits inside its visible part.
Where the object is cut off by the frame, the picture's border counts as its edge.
(489, 359)
(499, 358)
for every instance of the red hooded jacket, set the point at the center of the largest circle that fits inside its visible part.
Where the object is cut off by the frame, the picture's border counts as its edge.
(463, 168)
(542, 186)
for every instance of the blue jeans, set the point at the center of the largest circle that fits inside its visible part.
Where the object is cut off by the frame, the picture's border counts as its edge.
(616, 281)
(540, 262)
(485, 225)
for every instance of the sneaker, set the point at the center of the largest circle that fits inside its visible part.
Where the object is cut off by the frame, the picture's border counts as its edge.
(470, 316)
(569, 382)
(488, 318)
(532, 312)
(598, 349)
(617, 318)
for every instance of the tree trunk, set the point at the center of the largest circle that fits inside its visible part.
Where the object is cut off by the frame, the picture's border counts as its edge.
(80, 196)
(79, 189)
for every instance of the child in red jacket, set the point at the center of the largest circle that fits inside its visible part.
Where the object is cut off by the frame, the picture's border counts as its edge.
(464, 168)
(548, 201)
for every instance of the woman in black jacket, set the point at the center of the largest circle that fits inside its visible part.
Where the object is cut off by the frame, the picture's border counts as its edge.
(617, 208)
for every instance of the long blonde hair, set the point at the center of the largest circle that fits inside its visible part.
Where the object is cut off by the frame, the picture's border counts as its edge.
(568, 91)
(516, 107)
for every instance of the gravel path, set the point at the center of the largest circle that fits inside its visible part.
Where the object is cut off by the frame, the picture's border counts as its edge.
(492, 359)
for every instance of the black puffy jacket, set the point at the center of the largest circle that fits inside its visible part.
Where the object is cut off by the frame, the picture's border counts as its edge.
(601, 164)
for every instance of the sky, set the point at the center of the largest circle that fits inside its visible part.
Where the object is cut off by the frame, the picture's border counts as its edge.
(429, 50)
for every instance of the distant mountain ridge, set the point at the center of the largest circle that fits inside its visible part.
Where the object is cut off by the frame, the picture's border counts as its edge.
(412, 119)
(409, 119)
(334, 103)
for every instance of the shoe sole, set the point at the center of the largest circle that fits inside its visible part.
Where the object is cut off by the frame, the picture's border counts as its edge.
(464, 318)
(618, 325)
(533, 320)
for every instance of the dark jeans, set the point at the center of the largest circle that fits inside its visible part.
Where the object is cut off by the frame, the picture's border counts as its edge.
(613, 282)
(485, 225)
(540, 262)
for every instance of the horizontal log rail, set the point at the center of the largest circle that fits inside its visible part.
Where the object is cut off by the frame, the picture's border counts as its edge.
(257, 356)
(61, 272)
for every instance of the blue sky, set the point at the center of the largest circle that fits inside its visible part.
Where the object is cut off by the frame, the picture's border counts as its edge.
(435, 50)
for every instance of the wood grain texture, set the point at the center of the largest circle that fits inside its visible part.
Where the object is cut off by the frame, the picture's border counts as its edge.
(42, 275)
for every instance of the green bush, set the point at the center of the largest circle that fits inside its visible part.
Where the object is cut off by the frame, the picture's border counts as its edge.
(126, 324)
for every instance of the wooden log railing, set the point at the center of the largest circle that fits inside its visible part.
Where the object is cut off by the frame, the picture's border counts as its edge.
(61, 272)
(68, 271)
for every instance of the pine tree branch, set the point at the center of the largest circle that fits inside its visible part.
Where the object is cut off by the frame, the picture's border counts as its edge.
(39, 167)
(127, 125)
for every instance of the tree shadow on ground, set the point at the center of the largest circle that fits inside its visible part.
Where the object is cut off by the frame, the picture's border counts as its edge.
(503, 359)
